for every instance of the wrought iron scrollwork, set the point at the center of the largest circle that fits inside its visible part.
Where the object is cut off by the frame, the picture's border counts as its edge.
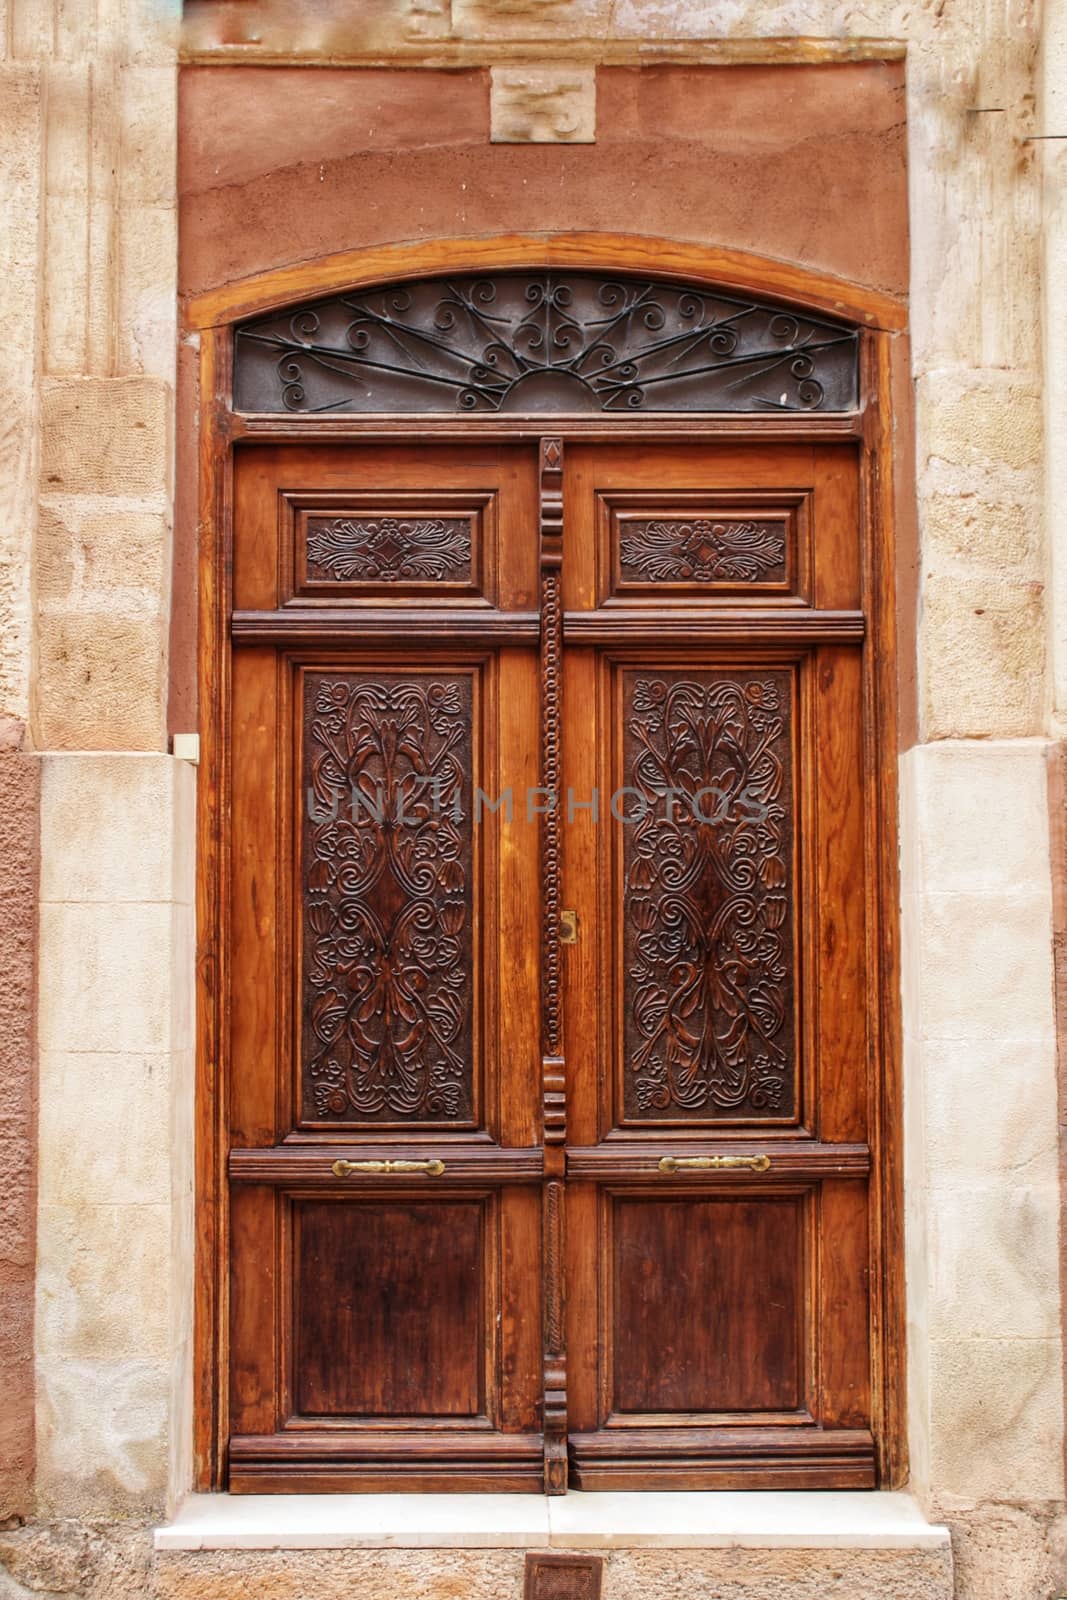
(543, 342)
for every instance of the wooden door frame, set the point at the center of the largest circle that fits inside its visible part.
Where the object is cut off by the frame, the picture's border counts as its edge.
(211, 316)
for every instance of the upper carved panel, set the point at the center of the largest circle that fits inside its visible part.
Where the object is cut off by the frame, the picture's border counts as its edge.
(702, 550)
(389, 549)
(709, 1030)
(387, 898)
(542, 342)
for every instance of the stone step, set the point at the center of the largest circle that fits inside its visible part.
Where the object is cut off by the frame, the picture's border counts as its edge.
(818, 1546)
(827, 1546)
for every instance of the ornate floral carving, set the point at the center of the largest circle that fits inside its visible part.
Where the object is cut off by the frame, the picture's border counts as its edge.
(389, 549)
(707, 862)
(387, 909)
(543, 342)
(701, 550)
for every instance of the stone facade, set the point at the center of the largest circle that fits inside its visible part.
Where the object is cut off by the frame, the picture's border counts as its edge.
(97, 655)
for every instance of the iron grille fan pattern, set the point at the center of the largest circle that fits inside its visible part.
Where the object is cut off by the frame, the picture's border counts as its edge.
(542, 342)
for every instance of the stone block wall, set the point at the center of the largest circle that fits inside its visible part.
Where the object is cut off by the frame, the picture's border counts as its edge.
(114, 1289)
(87, 297)
(18, 1123)
(88, 293)
(982, 1162)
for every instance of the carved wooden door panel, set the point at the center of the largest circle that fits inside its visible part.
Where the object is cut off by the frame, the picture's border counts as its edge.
(384, 1105)
(714, 1003)
(548, 1122)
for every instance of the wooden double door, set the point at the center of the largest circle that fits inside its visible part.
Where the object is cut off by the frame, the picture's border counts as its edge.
(548, 966)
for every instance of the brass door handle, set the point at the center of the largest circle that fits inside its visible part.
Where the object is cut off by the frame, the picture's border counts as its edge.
(714, 1163)
(432, 1169)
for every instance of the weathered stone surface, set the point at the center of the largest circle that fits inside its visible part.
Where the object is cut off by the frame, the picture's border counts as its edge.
(91, 552)
(149, 112)
(1001, 1551)
(983, 649)
(778, 1574)
(1051, 110)
(19, 860)
(107, 985)
(114, 1110)
(101, 1267)
(73, 1560)
(303, 27)
(532, 19)
(986, 967)
(337, 1574)
(991, 1114)
(994, 1261)
(981, 824)
(980, 419)
(20, 222)
(118, 829)
(980, 1099)
(542, 105)
(146, 258)
(101, 682)
(998, 1428)
(65, 264)
(101, 1436)
(105, 436)
(114, 1283)
(974, 529)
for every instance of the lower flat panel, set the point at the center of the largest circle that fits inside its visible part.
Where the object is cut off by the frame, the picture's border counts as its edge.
(389, 1316)
(707, 1305)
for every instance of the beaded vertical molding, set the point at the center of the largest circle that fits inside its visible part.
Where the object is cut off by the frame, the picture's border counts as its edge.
(553, 1075)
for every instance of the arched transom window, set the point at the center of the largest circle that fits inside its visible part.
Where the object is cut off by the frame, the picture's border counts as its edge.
(543, 342)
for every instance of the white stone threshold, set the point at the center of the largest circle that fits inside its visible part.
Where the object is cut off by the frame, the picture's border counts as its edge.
(835, 1520)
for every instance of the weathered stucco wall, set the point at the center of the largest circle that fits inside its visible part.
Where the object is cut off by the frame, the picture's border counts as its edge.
(806, 163)
(280, 164)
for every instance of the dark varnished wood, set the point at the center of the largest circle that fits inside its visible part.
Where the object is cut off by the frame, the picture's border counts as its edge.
(388, 1317)
(881, 469)
(725, 1458)
(308, 1163)
(214, 533)
(706, 1305)
(340, 624)
(621, 1158)
(628, 253)
(384, 993)
(725, 625)
(766, 1257)
(553, 1063)
(841, 605)
(707, 894)
(428, 1460)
